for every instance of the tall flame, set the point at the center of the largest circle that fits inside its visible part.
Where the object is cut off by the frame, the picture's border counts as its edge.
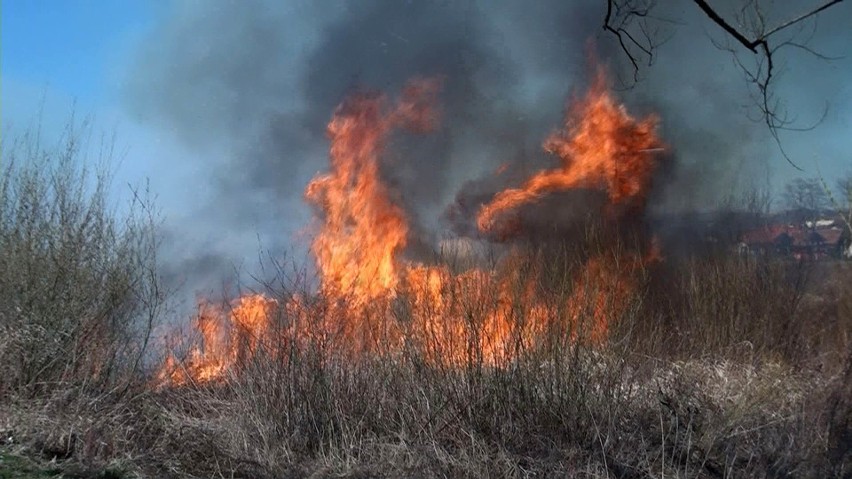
(601, 147)
(377, 300)
(363, 229)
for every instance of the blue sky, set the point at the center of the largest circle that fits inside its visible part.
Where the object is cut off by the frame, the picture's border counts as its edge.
(60, 57)
(64, 56)
(75, 56)
(69, 48)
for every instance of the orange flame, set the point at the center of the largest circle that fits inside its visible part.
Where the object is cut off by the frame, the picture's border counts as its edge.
(227, 338)
(601, 146)
(363, 229)
(378, 302)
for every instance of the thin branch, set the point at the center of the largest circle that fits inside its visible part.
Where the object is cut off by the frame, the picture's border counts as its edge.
(771, 109)
(617, 21)
(708, 10)
(809, 50)
(760, 39)
(754, 35)
(800, 17)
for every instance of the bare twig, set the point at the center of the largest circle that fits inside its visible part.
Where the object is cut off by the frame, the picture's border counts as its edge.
(771, 109)
(627, 19)
(619, 18)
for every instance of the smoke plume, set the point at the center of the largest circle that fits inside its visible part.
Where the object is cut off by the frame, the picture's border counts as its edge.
(254, 83)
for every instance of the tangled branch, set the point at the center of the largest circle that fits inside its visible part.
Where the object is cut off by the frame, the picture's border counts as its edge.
(624, 16)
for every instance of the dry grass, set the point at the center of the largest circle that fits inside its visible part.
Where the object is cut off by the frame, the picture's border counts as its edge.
(595, 414)
(713, 368)
(609, 410)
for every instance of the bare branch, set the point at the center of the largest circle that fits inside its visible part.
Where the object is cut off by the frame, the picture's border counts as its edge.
(620, 17)
(765, 73)
(626, 20)
(799, 18)
(760, 39)
(808, 50)
(708, 10)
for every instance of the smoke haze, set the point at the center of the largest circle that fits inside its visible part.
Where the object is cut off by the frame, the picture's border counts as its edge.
(253, 84)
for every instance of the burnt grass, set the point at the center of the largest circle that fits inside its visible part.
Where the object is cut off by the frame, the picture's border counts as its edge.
(719, 367)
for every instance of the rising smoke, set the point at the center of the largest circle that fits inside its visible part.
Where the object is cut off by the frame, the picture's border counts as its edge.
(255, 82)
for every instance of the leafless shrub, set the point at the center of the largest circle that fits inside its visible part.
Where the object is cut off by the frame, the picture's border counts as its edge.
(79, 291)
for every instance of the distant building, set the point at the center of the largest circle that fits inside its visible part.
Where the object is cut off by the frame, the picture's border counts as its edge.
(812, 240)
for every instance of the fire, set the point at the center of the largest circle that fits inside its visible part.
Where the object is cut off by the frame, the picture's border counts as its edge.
(603, 292)
(600, 147)
(228, 336)
(363, 229)
(372, 300)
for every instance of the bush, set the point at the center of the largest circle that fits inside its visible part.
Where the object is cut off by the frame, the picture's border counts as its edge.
(79, 291)
(700, 378)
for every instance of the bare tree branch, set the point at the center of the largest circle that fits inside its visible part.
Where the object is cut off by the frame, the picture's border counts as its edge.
(726, 26)
(620, 17)
(761, 39)
(752, 33)
(771, 108)
(799, 18)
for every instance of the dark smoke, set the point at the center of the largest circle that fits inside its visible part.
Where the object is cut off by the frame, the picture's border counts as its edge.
(255, 82)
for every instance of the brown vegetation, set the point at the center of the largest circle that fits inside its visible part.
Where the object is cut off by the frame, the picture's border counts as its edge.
(712, 366)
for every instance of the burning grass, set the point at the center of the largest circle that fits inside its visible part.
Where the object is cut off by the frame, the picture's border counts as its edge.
(578, 410)
(366, 283)
(291, 404)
